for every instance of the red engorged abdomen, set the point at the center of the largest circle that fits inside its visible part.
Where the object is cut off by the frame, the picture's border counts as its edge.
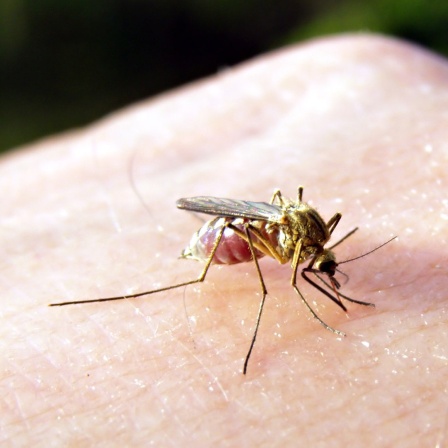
(232, 248)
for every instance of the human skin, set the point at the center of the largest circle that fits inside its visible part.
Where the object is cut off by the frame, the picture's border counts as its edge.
(360, 122)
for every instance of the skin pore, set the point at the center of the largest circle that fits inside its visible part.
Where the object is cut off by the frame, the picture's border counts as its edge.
(360, 122)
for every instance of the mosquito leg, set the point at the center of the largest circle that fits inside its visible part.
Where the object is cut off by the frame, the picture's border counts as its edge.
(331, 225)
(333, 330)
(264, 292)
(335, 298)
(166, 288)
(277, 195)
(296, 260)
(261, 243)
(359, 302)
(295, 265)
(343, 239)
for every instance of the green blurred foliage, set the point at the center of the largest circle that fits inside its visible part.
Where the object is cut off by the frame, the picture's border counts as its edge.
(418, 21)
(64, 63)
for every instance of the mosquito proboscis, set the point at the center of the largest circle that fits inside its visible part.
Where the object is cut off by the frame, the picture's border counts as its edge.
(283, 229)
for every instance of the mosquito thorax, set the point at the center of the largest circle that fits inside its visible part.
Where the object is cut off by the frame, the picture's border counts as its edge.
(300, 221)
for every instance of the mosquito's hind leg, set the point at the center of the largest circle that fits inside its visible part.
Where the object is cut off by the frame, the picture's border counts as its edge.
(200, 279)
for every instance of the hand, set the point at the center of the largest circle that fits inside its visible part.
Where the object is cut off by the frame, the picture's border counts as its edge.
(359, 122)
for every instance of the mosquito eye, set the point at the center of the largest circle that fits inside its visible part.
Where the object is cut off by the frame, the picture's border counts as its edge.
(329, 267)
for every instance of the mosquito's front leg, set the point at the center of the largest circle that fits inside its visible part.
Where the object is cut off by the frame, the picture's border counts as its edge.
(295, 264)
(334, 285)
(318, 274)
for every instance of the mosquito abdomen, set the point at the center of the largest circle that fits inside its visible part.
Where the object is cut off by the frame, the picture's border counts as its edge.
(232, 248)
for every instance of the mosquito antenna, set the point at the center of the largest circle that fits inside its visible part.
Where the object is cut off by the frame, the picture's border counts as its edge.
(367, 253)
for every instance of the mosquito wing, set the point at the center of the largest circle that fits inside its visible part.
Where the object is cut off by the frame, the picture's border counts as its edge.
(234, 208)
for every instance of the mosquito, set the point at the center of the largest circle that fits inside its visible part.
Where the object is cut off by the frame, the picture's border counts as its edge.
(283, 229)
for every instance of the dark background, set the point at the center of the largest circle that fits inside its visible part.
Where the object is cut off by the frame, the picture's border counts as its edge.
(64, 63)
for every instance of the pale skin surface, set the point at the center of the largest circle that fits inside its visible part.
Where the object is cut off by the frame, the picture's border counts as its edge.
(361, 123)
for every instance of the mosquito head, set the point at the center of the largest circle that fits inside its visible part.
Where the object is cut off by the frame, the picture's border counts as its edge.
(326, 262)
